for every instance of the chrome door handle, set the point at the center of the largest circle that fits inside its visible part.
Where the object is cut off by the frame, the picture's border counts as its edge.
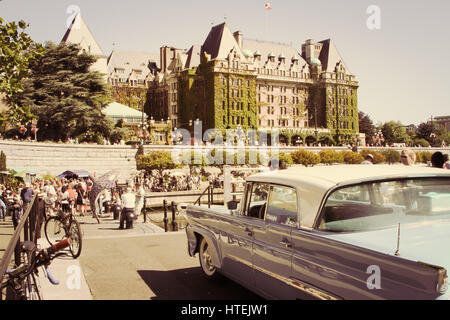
(286, 243)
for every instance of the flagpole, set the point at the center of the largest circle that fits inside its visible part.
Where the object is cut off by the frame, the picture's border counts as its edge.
(265, 24)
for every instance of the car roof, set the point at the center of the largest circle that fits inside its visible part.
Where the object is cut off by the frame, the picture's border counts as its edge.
(328, 176)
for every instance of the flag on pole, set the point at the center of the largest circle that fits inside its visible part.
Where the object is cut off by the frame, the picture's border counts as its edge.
(268, 6)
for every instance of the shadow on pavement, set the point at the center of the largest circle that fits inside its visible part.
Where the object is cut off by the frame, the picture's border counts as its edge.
(191, 284)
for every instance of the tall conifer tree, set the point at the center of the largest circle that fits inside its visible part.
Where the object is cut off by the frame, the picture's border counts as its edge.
(65, 95)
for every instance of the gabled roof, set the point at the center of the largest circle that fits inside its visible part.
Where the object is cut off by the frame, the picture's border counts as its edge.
(193, 57)
(220, 42)
(330, 57)
(79, 33)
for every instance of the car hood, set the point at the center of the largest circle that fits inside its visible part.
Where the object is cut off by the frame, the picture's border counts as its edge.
(425, 242)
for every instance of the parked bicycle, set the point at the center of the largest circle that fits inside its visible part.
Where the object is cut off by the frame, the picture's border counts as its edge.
(64, 225)
(21, 282)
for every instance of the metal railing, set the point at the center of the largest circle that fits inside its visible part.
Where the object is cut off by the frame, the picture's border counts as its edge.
(210, 191)
(29, 225)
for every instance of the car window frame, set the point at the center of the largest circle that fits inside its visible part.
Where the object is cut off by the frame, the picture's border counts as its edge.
(321, 211)
(297, 203)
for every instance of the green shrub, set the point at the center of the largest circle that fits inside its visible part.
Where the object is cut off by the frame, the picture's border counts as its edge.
(392, 156)
(378, 156)
(330, 156)
(305, 157)
(423, 157)
(351, 157)
(286, 157)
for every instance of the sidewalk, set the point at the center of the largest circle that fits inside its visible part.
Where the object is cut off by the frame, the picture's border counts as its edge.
(68, 271)
(65, 269)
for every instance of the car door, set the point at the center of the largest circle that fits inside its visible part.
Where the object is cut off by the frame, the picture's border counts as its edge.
(272, 247)
(237, 236)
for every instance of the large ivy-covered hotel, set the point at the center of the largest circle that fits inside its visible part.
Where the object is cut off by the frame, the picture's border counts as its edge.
(230, 82)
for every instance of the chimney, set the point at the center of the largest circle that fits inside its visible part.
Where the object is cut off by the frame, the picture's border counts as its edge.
(238, 35)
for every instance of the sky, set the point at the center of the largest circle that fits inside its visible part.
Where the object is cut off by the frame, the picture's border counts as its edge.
(398, 50)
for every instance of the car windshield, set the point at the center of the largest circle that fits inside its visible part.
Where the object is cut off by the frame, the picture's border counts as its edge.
(385, 204)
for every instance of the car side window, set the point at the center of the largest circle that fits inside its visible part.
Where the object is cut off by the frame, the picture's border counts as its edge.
(258, 200)
(282, 208)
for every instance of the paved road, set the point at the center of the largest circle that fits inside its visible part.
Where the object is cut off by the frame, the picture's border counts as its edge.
(146, 263)
(140, 264)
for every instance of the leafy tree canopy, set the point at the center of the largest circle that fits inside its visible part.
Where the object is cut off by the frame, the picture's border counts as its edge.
(395, 132)
(65, 95)
(17, 52)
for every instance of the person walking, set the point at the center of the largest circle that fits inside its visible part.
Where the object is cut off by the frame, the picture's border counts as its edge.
(81, 199)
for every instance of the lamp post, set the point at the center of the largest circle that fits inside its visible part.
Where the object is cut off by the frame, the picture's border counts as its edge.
(142, 120)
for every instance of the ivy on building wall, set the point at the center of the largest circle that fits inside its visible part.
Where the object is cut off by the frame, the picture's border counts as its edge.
(130, 96)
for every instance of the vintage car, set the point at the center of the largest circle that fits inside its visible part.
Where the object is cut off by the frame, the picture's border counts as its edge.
(332, 232)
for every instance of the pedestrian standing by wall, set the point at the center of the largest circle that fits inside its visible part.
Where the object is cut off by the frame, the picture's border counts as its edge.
(438, 160)
(128, 203)
(140, 197)
(369, 159)
(408, 157)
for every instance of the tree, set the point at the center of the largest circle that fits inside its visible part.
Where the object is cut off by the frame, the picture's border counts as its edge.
(425, 130)
(157, 160)
(395, 132)
(65, 95)
(442, 136)
(17, 52)
(366, 126)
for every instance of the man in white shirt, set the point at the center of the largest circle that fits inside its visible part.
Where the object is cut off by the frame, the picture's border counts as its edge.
(128, 204)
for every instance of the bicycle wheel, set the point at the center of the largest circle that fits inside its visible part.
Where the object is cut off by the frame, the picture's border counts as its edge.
(75, 238)
(54, 230)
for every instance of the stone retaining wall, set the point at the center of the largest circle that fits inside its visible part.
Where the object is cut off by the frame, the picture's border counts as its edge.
(54, 158)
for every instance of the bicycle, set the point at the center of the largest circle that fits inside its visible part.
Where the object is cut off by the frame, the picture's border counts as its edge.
(21, 283)
(64, 225)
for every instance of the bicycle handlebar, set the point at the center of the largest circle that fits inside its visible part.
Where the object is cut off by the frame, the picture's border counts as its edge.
(58, 246)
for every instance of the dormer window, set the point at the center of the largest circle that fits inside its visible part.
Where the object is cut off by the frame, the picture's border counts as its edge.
(257, 56)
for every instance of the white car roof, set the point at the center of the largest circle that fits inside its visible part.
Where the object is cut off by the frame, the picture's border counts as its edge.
(328, 176)
(313, 183)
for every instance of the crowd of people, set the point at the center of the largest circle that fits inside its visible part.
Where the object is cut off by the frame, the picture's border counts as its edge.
(69, 195)
(72, 195)
(178, 182)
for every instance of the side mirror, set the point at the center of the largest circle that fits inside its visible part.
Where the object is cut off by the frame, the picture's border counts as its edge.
(232, 205)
